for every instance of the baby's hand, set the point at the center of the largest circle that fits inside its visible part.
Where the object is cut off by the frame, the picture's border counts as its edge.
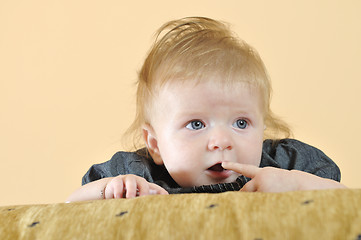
(130, 186)
(270, 179)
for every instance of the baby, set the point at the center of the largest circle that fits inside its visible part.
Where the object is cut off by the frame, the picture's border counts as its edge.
(203, 111)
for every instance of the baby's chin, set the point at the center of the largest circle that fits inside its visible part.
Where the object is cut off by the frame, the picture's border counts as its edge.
(230, 179)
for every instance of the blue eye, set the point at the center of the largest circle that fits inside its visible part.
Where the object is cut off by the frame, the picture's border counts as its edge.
(241, 124)
(195, 125)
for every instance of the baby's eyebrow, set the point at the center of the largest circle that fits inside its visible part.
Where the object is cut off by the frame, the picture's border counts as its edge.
(189, 114)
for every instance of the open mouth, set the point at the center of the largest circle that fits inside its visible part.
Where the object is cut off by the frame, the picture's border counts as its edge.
(218, 172)
(217, 168)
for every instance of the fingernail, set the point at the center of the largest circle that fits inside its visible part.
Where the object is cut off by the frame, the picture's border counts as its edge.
(224, 163)
(152, 192)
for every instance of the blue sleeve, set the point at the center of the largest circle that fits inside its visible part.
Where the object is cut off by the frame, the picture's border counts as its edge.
(137, 163)
(293, 154)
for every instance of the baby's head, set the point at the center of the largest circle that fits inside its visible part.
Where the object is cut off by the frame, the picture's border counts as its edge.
(203, 97)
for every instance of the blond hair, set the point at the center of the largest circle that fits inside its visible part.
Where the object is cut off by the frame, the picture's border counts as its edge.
(194, 49)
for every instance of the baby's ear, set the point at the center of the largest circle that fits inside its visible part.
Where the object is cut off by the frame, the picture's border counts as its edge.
(152, 143)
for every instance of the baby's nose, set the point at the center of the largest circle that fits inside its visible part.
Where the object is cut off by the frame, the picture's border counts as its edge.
(220, 140)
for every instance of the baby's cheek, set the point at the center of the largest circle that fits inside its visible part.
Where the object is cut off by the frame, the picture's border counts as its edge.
(250, 157)
(183, 178)
(183, 172)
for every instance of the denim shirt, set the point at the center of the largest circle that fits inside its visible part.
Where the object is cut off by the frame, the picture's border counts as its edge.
(285, 153)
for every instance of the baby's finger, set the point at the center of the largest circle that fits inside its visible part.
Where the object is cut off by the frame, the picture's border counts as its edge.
(246, 170)
(249, 187)
(156, 189)
(114, 189)
(108, 191)
(131, 187)
(118, 188)
(143, 187)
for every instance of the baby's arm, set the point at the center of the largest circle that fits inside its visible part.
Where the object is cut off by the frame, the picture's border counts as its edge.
(122, 186)
(270, 179)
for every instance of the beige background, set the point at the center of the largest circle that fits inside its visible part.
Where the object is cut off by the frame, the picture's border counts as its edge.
(67, 70)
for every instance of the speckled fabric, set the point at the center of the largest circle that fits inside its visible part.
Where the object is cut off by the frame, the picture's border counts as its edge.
(322, 214)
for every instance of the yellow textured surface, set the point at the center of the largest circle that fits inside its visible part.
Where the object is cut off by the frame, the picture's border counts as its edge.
(326, 214)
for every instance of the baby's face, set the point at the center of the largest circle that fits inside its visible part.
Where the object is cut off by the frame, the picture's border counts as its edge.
(196, 127)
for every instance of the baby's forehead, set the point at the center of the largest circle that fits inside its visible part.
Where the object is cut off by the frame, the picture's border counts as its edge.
(196, 93)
